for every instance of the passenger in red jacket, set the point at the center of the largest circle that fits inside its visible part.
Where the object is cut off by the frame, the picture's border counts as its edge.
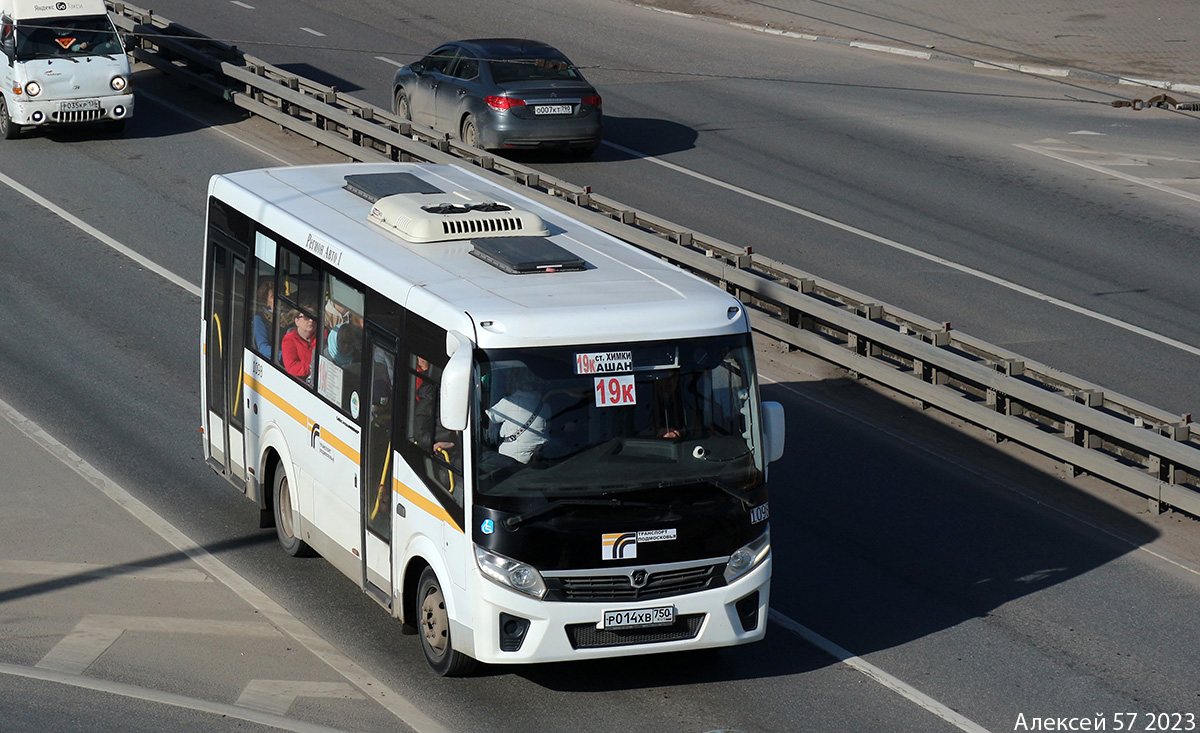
(298, 344)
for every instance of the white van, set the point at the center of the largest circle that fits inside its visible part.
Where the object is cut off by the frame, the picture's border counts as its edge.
(64, 63)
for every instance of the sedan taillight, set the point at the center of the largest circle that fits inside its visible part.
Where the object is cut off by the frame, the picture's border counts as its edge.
(502, 103)
(593, 99)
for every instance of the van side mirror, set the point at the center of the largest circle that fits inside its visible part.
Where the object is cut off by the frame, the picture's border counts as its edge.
(455, 392)
(774, 431)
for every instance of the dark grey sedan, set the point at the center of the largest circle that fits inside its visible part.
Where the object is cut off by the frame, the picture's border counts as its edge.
(496, 93)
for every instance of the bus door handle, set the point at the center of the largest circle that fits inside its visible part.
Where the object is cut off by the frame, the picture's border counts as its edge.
(400, 509)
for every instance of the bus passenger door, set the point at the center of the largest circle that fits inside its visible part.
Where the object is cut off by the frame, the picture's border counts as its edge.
(225, 313)
(376, 485)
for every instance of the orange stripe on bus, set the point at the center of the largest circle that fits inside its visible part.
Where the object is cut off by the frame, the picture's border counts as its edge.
(429, 507)
(300, 417)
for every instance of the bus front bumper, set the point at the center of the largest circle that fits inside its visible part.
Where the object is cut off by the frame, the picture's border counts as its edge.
(511, 628)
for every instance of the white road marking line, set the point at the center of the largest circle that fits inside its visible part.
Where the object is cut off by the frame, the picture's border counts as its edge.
(93, 636)
(373, 688)
(88, 228)
(76, 569)
(164, 698)
(319, 34)
(1147, 182)
(995, 280)
(208, 125)
(276, 696)
(386, 60)
(894, 684)
(241, 4)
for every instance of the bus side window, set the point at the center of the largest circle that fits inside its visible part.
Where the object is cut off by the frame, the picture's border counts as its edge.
(438, 452)
(264, 310)
(340, 376)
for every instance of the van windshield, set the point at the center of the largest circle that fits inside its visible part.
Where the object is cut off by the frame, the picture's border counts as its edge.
(613, 418)
(51, 38)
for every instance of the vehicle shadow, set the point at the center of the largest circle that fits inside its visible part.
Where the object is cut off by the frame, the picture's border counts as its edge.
(625, 138)
(100, 573)
(887, 526)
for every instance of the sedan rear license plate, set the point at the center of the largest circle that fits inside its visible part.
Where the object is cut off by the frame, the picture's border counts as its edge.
(80, 105)
(636, 618)
(552, 109)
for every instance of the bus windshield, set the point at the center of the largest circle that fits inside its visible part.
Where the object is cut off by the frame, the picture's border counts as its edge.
(49, 38)
(577, 421)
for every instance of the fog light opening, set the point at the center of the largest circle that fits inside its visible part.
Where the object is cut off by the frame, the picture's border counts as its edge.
(119, 111)
(37, 117)
(747, 611)
(512, 632)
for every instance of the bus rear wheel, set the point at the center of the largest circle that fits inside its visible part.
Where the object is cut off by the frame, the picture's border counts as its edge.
(284, 522)
(434, 623)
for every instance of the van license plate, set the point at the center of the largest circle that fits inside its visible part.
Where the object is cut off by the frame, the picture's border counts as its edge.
(552, 109)
(636, 618)
(80, 105)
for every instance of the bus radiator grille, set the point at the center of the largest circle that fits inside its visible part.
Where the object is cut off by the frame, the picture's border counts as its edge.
(619, 588)
(587, 636)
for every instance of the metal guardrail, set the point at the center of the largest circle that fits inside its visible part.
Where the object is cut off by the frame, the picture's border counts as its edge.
(1133, 445)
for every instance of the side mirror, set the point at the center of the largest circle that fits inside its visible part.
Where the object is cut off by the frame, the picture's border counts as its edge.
(417, 68)
(774, 431)
(456, 382)
(127, 42)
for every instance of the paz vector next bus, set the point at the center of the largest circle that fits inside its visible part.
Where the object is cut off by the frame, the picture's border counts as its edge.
(524, 438)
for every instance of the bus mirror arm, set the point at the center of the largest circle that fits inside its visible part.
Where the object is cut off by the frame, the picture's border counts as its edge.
(456, 382)
(773, 430)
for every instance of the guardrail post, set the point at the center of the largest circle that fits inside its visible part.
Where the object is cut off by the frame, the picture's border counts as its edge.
(256, 93)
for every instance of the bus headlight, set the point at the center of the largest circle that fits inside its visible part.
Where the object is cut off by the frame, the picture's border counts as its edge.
(746, 558)
(118, 83)
(510, 573)
(33, 89)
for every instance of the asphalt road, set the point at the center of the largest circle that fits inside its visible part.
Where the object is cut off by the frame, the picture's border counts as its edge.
(976, 578)
(1026, 211)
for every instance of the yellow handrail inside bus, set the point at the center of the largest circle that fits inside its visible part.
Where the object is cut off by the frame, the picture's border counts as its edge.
(382, 482)
(220, 338)
(449, 472)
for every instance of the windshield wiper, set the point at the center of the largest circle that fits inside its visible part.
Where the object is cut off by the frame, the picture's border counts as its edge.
(519, 519)
(739, 495)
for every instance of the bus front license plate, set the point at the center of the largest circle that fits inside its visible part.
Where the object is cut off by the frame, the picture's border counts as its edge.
(637, 618)
(80, 105)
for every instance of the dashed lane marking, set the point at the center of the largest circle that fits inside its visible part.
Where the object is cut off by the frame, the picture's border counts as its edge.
(93, 636)
(92, 570)
(276, 696)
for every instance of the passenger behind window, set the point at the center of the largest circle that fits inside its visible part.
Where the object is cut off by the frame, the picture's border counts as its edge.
(264, 317)
(425, 417)
(299, 345)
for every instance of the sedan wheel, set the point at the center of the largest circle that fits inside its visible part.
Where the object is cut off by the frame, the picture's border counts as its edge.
(401, 105)
(470, 132)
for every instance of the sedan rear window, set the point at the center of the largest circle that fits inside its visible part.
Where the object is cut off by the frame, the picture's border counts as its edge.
(509, 70)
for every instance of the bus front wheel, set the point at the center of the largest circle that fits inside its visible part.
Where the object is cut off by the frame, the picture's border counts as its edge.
(284, 518)
(434, 623)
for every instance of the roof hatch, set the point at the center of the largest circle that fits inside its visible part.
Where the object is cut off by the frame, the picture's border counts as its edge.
(523, 255)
